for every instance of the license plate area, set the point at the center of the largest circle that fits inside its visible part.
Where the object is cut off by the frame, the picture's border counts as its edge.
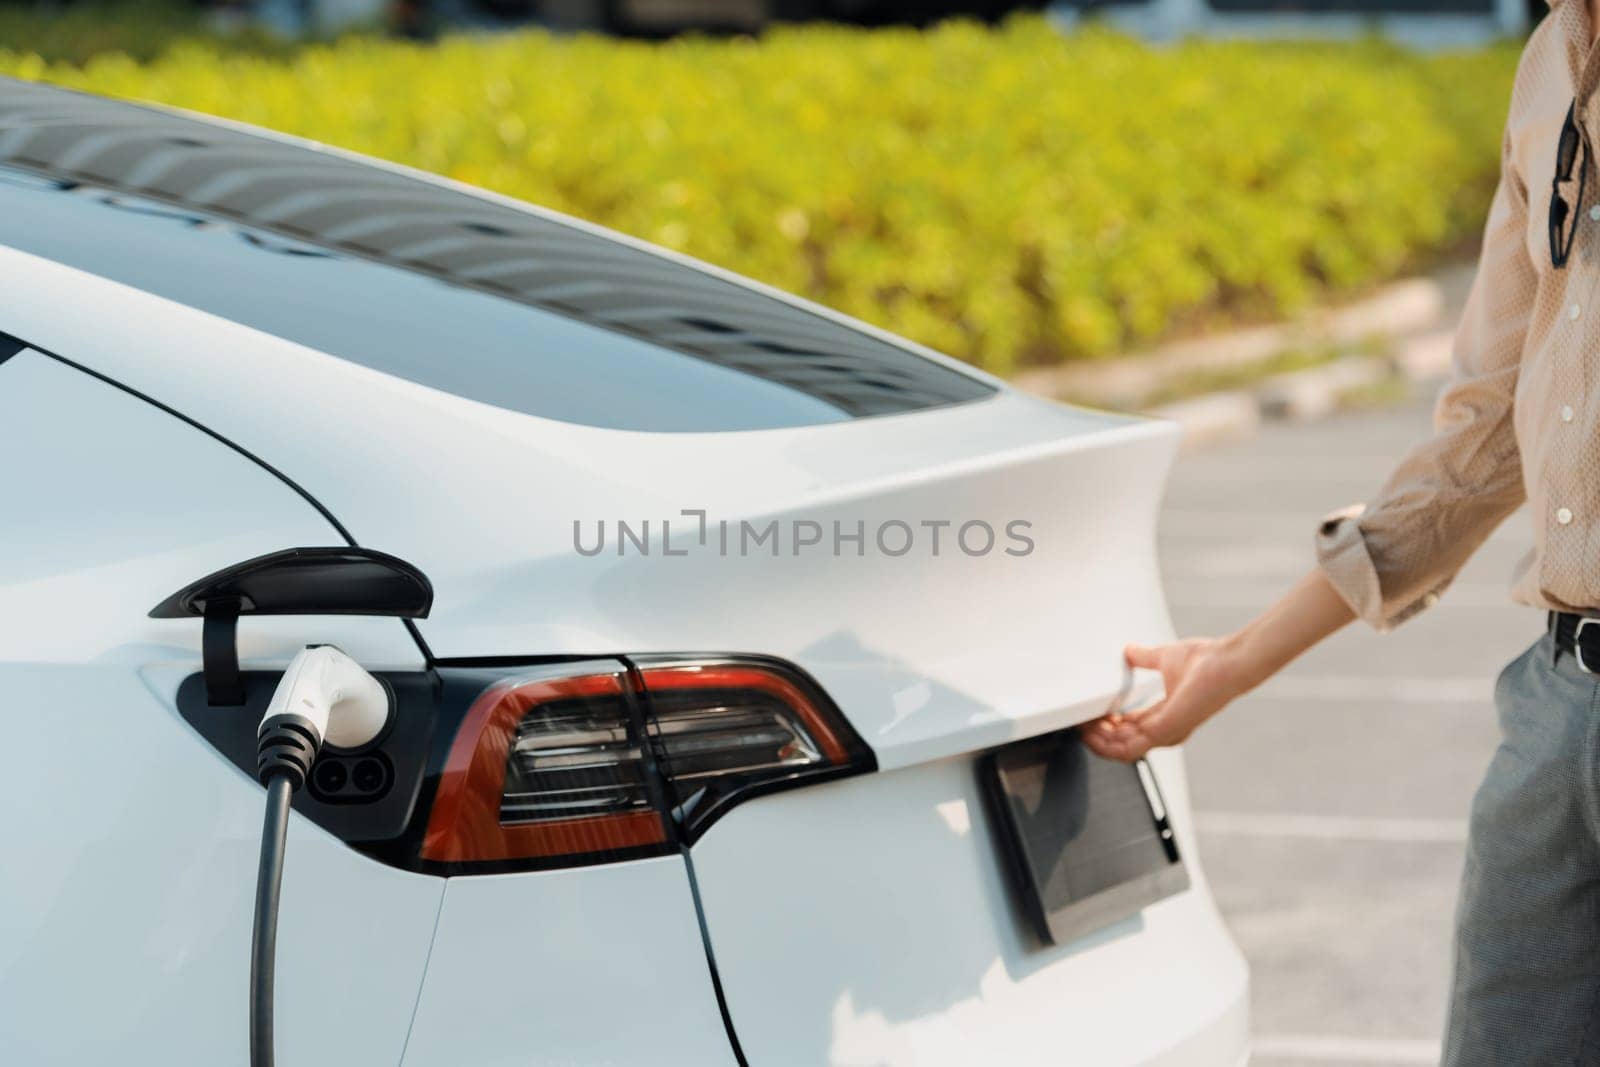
(1086, 840)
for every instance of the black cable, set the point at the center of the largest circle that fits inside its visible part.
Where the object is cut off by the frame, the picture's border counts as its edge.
(264, 939)
(286, 746)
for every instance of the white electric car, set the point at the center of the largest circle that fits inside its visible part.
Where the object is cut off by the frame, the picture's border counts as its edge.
(733, 647)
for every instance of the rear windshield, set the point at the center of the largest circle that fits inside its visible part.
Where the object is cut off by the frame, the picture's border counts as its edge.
(543, 318)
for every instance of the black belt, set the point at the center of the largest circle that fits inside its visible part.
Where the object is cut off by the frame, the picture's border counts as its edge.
(1578, 635)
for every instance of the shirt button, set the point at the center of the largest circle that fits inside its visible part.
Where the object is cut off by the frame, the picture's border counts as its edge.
(1566, 412)
(1594, 213)
(1564, 516)
(1574, 311)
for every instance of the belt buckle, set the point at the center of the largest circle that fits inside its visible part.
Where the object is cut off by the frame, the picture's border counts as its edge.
(1577, 644)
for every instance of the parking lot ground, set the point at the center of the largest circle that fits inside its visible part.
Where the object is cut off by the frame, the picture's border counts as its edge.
(1331, 804)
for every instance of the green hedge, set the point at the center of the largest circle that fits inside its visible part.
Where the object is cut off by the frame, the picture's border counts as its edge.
(1007, 195)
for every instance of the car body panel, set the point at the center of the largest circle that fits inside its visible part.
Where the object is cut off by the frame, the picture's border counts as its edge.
(603, 964)
(923, 651)
(186, 505)
(126, 908)
(90, 681)
(862, 920)
(868, 920)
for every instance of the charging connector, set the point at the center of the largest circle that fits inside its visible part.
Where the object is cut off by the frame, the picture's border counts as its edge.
(324, 696)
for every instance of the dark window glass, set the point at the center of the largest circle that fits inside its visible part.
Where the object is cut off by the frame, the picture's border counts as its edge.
(524, 313)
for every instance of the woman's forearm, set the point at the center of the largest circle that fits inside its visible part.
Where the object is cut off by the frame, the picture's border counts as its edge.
(1203, 675)
(1309, 612)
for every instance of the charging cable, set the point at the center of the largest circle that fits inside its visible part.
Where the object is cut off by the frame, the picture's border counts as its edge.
(324, 696)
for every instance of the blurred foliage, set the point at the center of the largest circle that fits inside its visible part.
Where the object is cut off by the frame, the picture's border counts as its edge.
(1007, 195)
(62, 32)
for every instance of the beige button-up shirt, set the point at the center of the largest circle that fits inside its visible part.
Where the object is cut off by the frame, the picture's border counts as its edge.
(1520, 419)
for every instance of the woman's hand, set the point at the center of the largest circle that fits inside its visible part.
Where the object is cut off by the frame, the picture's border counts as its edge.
(1202, 675)
(1205, 674)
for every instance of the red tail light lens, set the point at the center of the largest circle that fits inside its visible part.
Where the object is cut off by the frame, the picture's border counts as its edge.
(592, 762)
(725, 731)
(544, 767)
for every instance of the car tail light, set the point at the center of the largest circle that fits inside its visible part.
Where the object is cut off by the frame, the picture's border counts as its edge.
(724, 731)
(543, 767)
(591, 762)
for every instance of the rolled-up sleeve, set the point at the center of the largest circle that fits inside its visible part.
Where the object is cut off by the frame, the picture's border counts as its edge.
(1394, 556)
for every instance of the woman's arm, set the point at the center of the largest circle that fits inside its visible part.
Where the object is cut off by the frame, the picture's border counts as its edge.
(1447, 494)
(1204, 674)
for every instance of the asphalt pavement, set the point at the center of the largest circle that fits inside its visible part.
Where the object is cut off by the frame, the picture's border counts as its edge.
(1331, 804)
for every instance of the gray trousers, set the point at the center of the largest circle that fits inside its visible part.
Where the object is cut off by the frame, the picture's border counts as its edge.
(1527, 955)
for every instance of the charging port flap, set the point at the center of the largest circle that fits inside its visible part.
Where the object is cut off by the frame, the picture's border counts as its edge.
(295, 581)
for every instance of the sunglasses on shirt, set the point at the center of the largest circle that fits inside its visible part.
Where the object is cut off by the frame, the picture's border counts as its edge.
(1572, 154)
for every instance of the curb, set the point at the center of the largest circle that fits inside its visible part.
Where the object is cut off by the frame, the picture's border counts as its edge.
(1411, 321)
(1217, 419)
(1305, 395)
